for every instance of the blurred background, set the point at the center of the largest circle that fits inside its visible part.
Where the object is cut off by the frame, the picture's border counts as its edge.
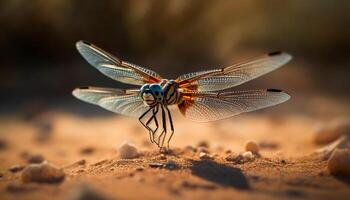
(40, 66)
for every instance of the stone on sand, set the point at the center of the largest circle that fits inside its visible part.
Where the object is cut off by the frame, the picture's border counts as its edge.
(248, 155)
(252, 147)
(128, 151)
(156, 165)
(43, 173)
(332, 131)
(170, 165)
(339, 162)
(203, 155)
(240, 158)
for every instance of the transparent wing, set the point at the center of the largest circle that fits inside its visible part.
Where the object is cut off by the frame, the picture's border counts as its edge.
(205, 106)
(115, 68)
(220, 79)
(125, 102)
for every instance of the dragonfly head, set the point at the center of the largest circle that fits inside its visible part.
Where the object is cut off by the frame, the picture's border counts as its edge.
(152, 94)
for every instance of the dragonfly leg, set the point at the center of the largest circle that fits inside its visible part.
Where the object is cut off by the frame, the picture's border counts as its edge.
(164, 127)
(155, 112)
(150, 131)
(146, 125)
(171, 125)
(159, 138)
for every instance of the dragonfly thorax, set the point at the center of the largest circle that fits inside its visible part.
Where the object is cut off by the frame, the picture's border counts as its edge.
(164, 92)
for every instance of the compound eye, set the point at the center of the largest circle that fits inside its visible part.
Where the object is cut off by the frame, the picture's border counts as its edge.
(156, 89)
(144, 87)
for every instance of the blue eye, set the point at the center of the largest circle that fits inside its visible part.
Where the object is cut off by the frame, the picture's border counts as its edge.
(156, 88)
(144, 88)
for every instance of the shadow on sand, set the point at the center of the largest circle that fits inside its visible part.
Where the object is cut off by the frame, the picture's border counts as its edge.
(219, 173)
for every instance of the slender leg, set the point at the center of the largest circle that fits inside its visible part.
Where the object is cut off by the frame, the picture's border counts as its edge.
(164, 126)
(159, 138)
(143, 115)
(171, 125)
(146, 126)
(154, 116)
(155, 112)
(150, 131)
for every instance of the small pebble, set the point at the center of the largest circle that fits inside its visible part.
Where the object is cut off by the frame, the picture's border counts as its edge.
(329, 132)
(339, 162)
(248, 155)
(203, 144)
(139, 169)
(80, 171)
(170, 165)
(241, 158)
(87, 150)
(43, 172)
(156, 165)
(237, 159)
(16, 168)
(128, 151)
(252, 147)
(203, 155)
(81, 162)
(35, 158)
(228, 151)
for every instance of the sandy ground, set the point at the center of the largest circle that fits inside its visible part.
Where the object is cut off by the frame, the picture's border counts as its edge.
(287, 169)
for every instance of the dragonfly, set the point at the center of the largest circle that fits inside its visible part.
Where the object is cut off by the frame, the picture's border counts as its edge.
(202, 96)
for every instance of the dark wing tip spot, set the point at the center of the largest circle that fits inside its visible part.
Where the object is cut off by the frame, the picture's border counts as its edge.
(275, 53)
(274, 90)
(84, 87)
